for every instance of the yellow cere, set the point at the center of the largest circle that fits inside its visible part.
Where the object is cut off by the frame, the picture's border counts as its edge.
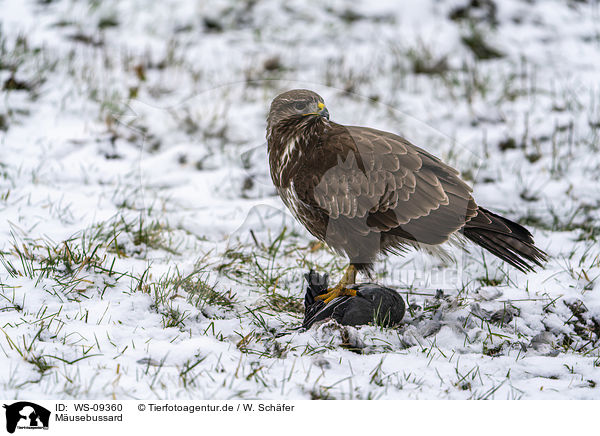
(321, 106)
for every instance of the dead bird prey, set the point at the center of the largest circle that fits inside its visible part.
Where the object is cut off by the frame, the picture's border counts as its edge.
(365, 192)
(373, 303)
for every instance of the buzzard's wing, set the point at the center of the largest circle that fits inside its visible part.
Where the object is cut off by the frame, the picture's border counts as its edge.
(395, 186)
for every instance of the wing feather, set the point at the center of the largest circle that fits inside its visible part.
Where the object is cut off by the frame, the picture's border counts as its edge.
(391, 184)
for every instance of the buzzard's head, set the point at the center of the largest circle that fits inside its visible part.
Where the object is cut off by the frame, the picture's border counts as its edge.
(296, 107)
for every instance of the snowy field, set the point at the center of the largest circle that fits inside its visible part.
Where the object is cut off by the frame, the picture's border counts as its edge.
(144, 253)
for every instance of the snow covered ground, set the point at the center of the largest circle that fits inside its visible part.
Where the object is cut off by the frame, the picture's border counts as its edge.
(144, 253)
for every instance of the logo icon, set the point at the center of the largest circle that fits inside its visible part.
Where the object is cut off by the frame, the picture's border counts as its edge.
(26, 415)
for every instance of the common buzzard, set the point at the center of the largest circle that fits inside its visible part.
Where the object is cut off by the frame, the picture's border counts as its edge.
(365, 192)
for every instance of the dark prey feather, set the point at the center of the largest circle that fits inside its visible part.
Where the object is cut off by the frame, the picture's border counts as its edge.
(372, 304)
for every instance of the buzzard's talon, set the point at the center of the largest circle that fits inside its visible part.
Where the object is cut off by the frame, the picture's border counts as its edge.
(333, 293)
(341, 289)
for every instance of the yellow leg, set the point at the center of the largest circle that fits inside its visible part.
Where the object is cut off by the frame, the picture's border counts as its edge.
(340, 289)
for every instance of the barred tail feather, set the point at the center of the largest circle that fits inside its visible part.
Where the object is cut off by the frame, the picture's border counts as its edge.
(506, 239)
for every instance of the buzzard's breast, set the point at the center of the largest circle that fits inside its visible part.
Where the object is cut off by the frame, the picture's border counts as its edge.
(290, 152)
(290, 199)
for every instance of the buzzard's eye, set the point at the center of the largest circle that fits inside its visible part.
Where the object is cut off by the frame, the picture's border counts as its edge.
(300, 105)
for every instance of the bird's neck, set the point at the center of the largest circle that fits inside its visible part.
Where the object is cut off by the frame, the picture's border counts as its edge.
(288, 142)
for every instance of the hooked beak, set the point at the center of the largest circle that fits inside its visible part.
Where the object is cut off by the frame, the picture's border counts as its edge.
(323, 111)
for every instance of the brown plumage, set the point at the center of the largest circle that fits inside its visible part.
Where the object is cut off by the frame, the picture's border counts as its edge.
(366, 192)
